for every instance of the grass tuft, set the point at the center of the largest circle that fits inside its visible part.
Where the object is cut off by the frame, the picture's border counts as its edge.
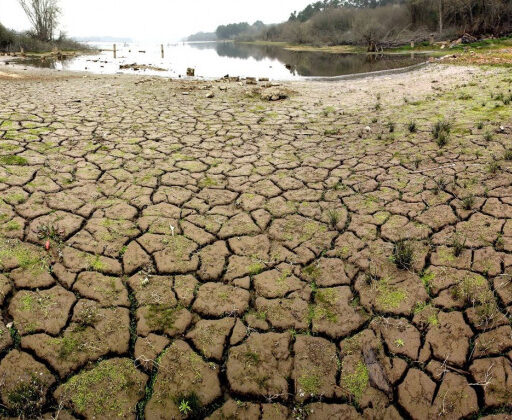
(403, 254)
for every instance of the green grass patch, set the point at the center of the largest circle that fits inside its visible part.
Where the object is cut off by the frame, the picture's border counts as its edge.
(13, 160)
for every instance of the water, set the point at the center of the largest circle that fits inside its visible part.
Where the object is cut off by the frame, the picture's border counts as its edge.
(214, 60)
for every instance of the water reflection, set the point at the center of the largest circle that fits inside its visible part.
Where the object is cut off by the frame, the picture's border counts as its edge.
(312, 63)
(213, 60)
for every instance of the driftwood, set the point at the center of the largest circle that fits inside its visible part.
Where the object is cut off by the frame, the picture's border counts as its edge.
(376, 373)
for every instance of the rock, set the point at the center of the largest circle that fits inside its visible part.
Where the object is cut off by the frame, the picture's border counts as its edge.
(467, 39)
(274, 94)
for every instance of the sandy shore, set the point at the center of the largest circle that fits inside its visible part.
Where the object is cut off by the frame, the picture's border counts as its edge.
(184, 247)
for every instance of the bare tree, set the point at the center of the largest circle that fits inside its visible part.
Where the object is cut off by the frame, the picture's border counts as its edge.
(43, 15)
(440, 8)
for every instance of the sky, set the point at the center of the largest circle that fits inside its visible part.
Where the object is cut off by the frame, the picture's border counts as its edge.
(153, 20)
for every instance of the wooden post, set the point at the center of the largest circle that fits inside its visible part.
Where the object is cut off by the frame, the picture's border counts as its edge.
(115, 51)
(432, 39)
(162, 50)
(412, 44)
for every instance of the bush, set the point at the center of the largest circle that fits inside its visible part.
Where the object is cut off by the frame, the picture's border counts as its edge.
(11, 41)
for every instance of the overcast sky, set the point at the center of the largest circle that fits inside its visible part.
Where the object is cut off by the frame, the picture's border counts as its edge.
(159, 20)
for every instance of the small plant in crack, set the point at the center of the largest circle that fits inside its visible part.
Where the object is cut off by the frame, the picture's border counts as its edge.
(458, 244)
(391, 126)
(442, 139)
(189, 405)
(185, 407)
(488, 136)
(468, 202)
(334, 218)
(441, 184)
(403, 254)
(413, 128)
(441, 126)
(370, 277)
(27, 398)
(500, 243)
(493, 167)
(399, 342)
(508, 154)
(49, 231)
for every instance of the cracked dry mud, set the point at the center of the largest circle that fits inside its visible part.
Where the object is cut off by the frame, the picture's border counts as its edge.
(232, 257)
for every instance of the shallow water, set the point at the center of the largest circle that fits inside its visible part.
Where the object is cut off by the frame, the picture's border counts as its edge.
(213, 60)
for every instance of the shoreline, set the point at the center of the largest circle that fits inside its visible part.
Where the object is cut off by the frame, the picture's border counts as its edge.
(17, 62)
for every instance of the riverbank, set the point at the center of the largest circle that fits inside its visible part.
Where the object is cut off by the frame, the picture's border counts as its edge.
(484, 52)
(224, 249)
(337, 49)
(56, 54)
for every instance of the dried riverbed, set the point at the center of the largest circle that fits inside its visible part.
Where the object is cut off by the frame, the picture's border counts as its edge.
(173, 249)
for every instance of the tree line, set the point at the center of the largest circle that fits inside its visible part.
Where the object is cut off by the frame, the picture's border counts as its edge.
(381, 22)
(234, 30)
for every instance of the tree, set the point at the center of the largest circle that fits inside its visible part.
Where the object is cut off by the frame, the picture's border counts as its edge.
(232, 30)
(43, 15)
(440, 6)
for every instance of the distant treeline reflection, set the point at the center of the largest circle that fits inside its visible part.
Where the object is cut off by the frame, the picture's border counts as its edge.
(308, 63)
